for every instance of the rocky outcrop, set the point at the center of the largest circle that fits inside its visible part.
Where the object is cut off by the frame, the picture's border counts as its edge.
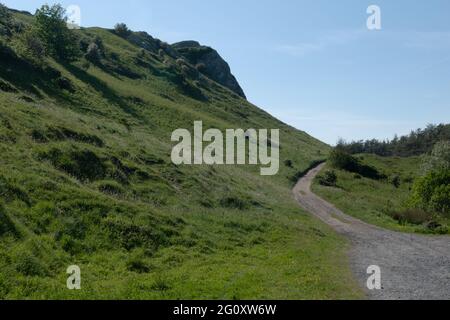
(210, 63)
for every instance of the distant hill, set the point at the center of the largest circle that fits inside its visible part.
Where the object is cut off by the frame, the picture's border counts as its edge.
(418, 142)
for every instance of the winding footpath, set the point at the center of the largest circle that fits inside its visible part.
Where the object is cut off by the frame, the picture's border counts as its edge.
(412, 266)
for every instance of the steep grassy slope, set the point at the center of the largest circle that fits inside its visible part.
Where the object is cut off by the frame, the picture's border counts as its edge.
(86, 179)
(377, 201)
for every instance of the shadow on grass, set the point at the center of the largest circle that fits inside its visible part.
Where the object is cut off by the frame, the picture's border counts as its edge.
(102, 88)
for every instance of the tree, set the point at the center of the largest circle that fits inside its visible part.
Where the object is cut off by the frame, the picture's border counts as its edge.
(439, 159)
(51, 27)
(122, 30)
(418, 142)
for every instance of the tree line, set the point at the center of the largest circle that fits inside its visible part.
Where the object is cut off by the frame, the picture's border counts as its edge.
(418, 142)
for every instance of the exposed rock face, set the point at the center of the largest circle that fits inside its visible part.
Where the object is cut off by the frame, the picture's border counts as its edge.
(210, 63)
(205, 59)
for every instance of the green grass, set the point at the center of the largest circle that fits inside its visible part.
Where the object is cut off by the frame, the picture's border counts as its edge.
(372, 200)
(86, 179)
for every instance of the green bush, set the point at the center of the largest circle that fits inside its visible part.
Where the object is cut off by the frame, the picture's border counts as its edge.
(136, 262)
(121, 29)
(288, 163)
(432, 192)
(233, 203)
(329, 179)
(412, 216)
(71, 245)
(440, 200)
(33, 46)
(82, 164)
(342, 160)
(131, 236)
(28, 265)
(93, 53)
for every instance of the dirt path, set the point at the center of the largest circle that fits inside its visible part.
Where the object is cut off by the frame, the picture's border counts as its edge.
(412, 266)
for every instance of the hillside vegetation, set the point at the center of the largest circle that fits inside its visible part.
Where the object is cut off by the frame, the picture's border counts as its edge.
(388, 191)
(418, 142)
(86, 178)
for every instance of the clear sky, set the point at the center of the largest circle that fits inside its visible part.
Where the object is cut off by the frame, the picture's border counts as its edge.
(313, 64)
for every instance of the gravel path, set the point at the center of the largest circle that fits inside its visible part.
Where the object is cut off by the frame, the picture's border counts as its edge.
(413, 267)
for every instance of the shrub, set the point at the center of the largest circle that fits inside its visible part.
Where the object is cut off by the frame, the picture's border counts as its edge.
(64, 84)
(439, 159)
(101, 47)
(301, 174)
(395, 180)
(181, 62)
(136, 262)
(432, 192)
(435, 228)
(440, 200)
(233, 203)
(70, 245)
(288, 163)
(329, 179)
(121, 29)
(51, 26)
(413, 216)
(131, 236)
(93, 53)
(342, 160)
(33, 45)
(29, 265)
(82, 164)
(201, 67)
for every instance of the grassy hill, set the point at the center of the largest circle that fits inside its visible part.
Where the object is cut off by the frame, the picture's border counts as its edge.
(86, 179)
(380, 202)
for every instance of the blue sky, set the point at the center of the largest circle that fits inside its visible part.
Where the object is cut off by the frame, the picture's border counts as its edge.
(312, 64)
